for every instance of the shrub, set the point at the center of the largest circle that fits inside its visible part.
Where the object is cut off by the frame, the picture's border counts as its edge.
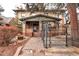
(7, 33)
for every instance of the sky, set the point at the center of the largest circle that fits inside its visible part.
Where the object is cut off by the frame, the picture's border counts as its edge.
(9, 5)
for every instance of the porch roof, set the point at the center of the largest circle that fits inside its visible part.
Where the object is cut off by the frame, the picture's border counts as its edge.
(47, 18)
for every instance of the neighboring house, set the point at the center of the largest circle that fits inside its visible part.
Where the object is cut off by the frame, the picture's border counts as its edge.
(13, 22)
(5, 20)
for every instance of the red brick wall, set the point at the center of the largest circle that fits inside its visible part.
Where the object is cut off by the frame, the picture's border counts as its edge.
(73, 18)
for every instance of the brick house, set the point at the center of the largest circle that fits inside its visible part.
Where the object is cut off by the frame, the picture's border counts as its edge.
(47, 14)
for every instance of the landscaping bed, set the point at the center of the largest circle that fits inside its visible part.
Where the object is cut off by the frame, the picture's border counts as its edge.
(11, 48)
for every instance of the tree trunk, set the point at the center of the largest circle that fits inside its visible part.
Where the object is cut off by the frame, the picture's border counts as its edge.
(71, 7)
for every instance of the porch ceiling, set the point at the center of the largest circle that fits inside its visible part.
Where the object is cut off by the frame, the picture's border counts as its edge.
(40, 17)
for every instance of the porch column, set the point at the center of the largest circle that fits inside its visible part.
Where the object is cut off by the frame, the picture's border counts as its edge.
(40, 27)
(24, 26)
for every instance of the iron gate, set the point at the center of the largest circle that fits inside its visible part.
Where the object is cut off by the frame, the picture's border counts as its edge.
(45, 36)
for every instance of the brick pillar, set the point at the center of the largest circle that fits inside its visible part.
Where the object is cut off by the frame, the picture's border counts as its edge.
(73, 18)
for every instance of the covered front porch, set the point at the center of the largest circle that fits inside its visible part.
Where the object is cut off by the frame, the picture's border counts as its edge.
(33, 25)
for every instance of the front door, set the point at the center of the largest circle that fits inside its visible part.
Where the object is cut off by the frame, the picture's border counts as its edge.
(35, 28)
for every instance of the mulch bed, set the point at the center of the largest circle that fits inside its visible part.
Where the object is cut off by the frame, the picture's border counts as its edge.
(11, 49)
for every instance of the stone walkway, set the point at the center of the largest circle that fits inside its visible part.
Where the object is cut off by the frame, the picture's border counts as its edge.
(34, 47)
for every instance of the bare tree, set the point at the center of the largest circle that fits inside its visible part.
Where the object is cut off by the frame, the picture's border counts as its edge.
(1, 9)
